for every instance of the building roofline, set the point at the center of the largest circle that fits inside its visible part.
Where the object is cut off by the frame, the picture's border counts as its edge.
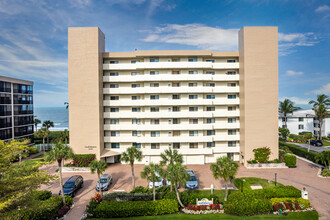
(15, 80)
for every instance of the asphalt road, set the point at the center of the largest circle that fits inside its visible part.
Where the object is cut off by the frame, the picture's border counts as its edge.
(313, 148)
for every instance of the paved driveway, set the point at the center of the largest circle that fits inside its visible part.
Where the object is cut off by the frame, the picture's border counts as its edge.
(302, 176)
(313, 148)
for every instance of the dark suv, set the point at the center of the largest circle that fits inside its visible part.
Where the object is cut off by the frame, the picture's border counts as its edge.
(317, 143)
(72, 185)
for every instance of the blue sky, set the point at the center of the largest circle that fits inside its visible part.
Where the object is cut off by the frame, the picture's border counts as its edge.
(33, 36)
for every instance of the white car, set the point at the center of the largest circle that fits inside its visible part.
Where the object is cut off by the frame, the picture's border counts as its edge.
(159, 183)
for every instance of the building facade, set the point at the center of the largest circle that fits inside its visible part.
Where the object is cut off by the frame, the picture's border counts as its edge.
(305, 121)
(206, 104)
(16, 109)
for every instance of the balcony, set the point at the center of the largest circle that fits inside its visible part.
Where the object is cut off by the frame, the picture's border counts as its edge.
(165, 139)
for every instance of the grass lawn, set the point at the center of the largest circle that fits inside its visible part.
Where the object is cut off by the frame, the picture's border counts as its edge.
(254, 181)
(39, 156)
(297, 215)
(326, 143)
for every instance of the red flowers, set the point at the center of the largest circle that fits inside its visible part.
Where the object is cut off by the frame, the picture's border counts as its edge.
(286, 206)
(205, 207)
(97, 198)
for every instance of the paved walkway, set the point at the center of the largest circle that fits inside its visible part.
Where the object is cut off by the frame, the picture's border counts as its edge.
(305, 175)
(313, 148)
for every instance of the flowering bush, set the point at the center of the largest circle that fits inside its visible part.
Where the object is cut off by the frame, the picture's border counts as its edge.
(97, 198)
(286, 206)
(63, 211)
(205, 207)
(81, 160)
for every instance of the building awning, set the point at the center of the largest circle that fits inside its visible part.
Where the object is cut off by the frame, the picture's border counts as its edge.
(109, 153)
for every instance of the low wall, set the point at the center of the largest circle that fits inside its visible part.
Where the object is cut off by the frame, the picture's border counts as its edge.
(266, 165)
(76, 169)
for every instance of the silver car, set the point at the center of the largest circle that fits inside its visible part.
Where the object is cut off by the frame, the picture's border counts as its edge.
(106, 180)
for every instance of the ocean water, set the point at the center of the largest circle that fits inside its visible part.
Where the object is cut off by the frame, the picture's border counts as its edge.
(58, 115)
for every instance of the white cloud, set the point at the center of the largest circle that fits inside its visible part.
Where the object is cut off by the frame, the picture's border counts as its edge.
(201, 36)
(323, 8)
(289, 41)
(323, 90)
(293, 73)
(297, 100)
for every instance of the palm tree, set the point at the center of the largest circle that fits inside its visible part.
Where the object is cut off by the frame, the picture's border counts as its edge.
(43, 133)
(179, 175)
(170, 157)
(226, 169)
(99, 166)
(48, 124)
(286, 107)
(324, 158)
(59, 153)
(65, 136)
(320, 108)
(36, 122)
(129, 156)
(149, 173)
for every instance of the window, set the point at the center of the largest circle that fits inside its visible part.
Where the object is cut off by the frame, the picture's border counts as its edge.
(192, 59)
(231, 120)
(115, 145)
(155, 146)
(154, 59)
(175, 59)
(154, 109)
(210, 144)
(170, 133)
(154, 121)
(136, 121)
(210, 120)
(283, 126)
(154, 84)
(114, 73)
(210, 109)
(154, 73)
(193, 133)
(114, 62)
(176, 133)
(176, 84)
(231, 84)
(231, 108)
(231, 96)
(136, 133)
(153, 97)
(193, 145)
(114, 85)
(210, 84)
(155, 134)
(300, 127)
(176, 121)
(136, 97)
(210, 96)
(193, 96)
(193, 121)
(211, 61)
(114, 109)
(193, 109)
(115, 133)
(231, 143)
(135, 73)
(230, 156)
(137, 145)
(136, 109)
(114, 121)
(231, 61)
(231, 132)
(135, 85)
(210, 73)
(175, 96)
(301, 119)
(114, 97)
(175, 72)
(192, 84)
(210, 132)
(135, 61)
(283, 119)
(176, 108)
(193, 72)
(176, 145)
(231, 73)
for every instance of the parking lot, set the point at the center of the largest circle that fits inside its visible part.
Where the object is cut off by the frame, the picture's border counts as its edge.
(302, 176)
(313, 148)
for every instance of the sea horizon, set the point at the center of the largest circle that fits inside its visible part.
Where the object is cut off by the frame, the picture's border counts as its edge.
(58, 115)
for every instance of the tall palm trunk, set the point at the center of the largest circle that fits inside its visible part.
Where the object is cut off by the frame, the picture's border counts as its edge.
(178, 197)
(153, 190)
(43, 144)
(226, 191)
(320, 133)
(61, 181)
(171, 186)
(285, 121)
(100, 188)
(133, 177)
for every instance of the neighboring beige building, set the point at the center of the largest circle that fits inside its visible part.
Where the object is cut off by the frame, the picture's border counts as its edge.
(207, 104)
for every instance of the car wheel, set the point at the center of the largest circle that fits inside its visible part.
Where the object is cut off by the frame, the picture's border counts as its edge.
(73, 194)
(82, 185)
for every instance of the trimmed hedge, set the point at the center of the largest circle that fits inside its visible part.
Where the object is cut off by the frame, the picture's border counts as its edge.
(42, 195)
(300, 151)
(124, 196)
(81, 160)
(278, 192)
(290, 160)
(137, 208)
(189, 196)
(302, 202)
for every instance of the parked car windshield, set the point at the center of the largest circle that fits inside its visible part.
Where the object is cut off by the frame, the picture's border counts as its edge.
(68, 185)
(192, 178)
(103, 180)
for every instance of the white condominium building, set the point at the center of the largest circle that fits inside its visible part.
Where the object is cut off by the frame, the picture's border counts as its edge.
(206, 104)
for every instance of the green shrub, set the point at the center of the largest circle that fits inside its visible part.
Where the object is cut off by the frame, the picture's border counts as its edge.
(325, 172)
(68, 200)
(140, 208)
(33, 150)
(246, 204)
(42, 195)
(82, 160)
(141, 189)
(304, 203)
(300, 151)
(124, 196)
(290, 160)
(189, 196)
(261, 155)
